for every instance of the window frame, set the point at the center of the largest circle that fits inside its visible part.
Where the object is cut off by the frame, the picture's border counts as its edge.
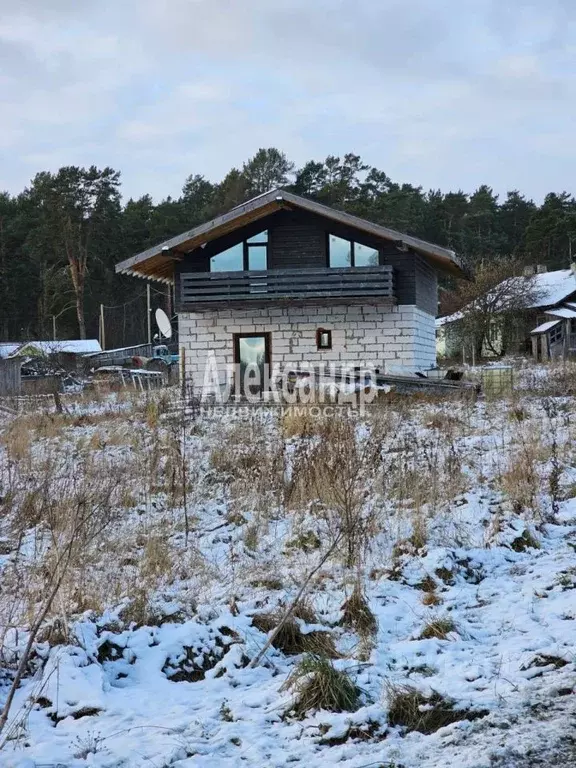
(246, 246)
(246, 253)
(352, 251)
(319, 333)
(555, 334)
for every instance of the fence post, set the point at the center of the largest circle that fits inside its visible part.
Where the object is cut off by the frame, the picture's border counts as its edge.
(183, 371)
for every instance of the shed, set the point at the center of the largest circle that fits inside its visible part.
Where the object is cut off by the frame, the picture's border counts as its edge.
(10, 381)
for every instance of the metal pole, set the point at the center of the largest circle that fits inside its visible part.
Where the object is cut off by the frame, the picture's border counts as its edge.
(183, 372)
(54, 327)
(102, 328)
(149, 313)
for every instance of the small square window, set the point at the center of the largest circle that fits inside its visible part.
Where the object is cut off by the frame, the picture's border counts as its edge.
(323, 339)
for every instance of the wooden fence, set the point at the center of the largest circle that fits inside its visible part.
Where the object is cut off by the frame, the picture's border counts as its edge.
(10, 382)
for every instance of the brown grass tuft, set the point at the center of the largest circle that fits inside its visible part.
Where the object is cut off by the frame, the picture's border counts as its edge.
(319, 685)
(411, 709)
(291, 640)
(357, 614)
(437, 628)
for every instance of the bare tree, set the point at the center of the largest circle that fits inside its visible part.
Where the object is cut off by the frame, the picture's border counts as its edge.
(498, 299)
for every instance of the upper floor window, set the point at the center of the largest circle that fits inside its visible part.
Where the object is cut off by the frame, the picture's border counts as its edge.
(365, 256)
(256, 255)
(347, 253)
(340, 252)
(250, 254)
(230, 260)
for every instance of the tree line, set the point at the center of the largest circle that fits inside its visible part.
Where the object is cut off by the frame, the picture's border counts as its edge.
(61, 237)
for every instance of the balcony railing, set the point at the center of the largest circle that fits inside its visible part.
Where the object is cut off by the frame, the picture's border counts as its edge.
(197, 288)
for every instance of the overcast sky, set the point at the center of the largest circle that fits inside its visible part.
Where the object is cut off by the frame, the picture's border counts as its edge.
(447, 94)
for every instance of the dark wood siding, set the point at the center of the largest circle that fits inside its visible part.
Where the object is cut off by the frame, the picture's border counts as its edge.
(415, 280)
(404, 274)
(293, 245)
(298, 240)
(426, 286)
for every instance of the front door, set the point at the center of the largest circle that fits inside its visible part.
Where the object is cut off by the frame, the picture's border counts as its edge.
(252, 358)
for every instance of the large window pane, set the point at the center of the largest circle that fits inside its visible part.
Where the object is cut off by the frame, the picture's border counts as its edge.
(257, 256)
(340, 252)
(364, 256)
(231, 260)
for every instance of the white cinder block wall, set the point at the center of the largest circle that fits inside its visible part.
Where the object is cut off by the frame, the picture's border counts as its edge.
(388, 338)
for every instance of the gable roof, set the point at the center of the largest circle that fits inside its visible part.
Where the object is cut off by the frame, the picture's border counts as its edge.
(549, 289)
(157, 263)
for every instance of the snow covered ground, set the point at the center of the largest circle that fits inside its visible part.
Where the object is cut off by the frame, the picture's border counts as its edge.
(462, 537)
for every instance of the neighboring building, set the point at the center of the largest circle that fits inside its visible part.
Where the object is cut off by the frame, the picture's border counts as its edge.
(284, 280)
(56, 347)
(545, 327)
(7, 347)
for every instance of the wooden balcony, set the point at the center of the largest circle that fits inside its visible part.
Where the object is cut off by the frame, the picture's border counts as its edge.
(205, 290)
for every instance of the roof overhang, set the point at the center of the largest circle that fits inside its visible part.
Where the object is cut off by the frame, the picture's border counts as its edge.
(157, 263)
(544, 327)
(564, 312)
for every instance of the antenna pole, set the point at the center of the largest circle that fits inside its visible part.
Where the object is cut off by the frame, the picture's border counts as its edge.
(102, 328)
(149, 313)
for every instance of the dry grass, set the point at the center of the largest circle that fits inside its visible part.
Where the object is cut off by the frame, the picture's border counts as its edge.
(431, 599)
(18, 443)
(291, 640)
(285, 489)
(318, 685)
(520, 480)
(157, 560)
(411, 709)
(356, 614)
(437, 628)
(335, 472)
(300, 421)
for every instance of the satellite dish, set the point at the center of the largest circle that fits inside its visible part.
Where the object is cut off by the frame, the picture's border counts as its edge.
(163, 323)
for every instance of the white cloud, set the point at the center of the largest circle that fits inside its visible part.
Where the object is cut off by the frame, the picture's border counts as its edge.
(438, 94)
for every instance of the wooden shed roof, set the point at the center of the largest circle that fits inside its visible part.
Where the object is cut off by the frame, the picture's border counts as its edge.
(157, 263)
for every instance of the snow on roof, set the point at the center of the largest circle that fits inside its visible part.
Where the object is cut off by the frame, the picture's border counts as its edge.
(74, 346)
(553, 287)
(550, 288)
(440, 321)
(6, 348)
(545, 326)
(561, 312)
